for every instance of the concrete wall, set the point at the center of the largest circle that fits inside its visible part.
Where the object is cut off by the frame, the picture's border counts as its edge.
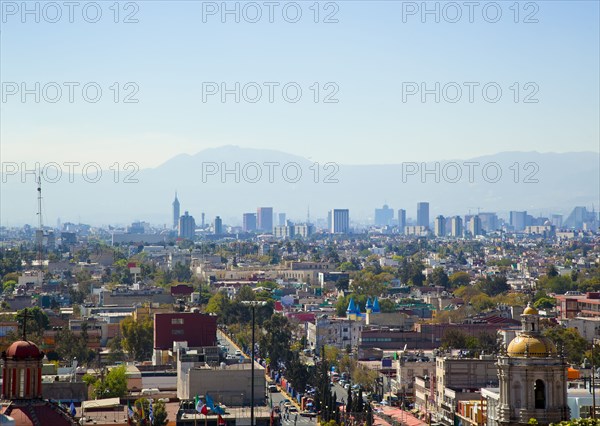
(230, 386)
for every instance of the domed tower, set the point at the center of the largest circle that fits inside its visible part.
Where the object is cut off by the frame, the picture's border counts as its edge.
(22, 387)
(533, 377)
(22, 371)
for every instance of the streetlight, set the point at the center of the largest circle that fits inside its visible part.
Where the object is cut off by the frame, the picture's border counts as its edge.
(253, 304)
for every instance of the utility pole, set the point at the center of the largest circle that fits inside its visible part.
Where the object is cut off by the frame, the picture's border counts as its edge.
(253, 304)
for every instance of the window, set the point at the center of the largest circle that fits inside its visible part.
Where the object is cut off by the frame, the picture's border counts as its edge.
(540, 395)
(178, 321)
(177, 332)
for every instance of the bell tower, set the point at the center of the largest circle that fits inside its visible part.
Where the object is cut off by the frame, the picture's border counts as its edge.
(533, 377)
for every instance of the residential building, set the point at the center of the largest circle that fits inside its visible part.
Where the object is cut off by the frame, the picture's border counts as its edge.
(187, 226)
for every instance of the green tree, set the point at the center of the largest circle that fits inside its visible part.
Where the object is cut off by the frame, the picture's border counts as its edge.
(37, 320)
(459, 279)
(493, 286)
(141, 413)
(571, 342)
(138, 338)
(439, 277)
(245, 294)
(111, 385)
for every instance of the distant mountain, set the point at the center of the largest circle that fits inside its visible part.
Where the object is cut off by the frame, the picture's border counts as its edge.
(229, 180)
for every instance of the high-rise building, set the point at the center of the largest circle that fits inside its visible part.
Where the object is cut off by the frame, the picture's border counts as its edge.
(475, 226)
(281, 219)
(384, 216)
(218, 225)
(439, 226)
(264, 219)
(456, 227)
(557, 220)
(249, 222)
(176, 212)
(187, 226)
(304, 230)
(489, 221)
(518, 220)
(401, 220)
(423, 214)
(340, 221)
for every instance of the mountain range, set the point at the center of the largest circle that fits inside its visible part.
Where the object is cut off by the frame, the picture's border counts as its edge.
(229, 180)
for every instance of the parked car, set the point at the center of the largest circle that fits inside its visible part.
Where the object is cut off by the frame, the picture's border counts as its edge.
(273, 388)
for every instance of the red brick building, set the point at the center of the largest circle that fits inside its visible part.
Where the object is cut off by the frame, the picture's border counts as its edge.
(196, 329)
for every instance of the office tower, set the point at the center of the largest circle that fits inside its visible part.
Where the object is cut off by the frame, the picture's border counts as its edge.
(187, 226)
(175, 212)
(218, 225)
(340, 221)
(475, 226)
(402, 220)
(439, 227)
(489, 221)
(264, 219)
(329, 220)
(281, 219)
(557, 220)
(384, 216)
(456, 228)
(423, 214)
(518, 220)
(203, 222)
(249, 222)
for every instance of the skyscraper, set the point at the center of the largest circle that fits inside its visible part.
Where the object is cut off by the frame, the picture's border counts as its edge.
(281, 219)
(456, 228)
(264, 219)
(402, 220)
(340, 221)
(249, 222)
(384, 216)
(175, 212)
(518, 220)
(489, 221)
(423, 214)
(218, 225)
(475, 226)
(439, 227)
(187, 226)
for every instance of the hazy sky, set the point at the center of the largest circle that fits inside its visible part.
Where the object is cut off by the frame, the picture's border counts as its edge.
(374, 54)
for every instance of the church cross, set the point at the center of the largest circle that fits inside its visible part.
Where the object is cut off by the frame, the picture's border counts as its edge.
(25, 324)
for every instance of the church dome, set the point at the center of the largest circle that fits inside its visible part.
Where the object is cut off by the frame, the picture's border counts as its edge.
(23, 349)
(530, 310)
(531, 346)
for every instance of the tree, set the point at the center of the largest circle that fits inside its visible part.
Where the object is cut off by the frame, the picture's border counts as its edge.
(245, 294)
(141, 413)
(274, 343)
(113, 385)
(459, 279)
(137, 338)
(571, 342)
(552, 271)
(37, 320)
(492, 286)
(439, 277)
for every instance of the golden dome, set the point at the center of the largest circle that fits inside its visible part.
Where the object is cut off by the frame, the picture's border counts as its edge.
(531, 346)
(530, 310)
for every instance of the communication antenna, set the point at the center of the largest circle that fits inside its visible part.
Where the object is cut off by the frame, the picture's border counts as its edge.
(40, 232)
